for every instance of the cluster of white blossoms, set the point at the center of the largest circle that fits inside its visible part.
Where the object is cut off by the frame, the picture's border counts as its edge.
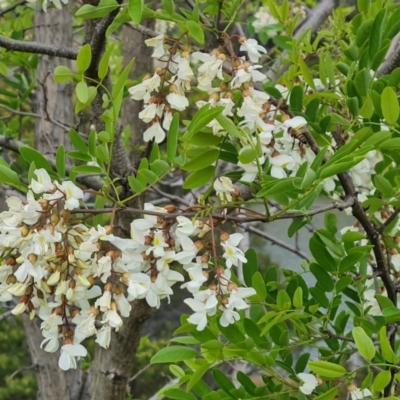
(223, 75)
(80, 281)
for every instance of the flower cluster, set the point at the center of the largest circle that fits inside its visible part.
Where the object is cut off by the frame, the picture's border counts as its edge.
(81, 281)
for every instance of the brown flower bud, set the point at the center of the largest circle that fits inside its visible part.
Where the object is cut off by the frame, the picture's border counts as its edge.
(224, 301)
(205, 258)
(57, 310)
(39, 294)
(91, 279)
(285, 117)
(199, 245)
(65, 215)
(212, 286)
(10, 261)
(232, 287)
(242, 39)
(224, 236)
(219, 270)
(74, 312)
(119, 289)
(125, 277)
(108, 286)
(32, 258)
(72, 284)
(351, 387)
(43, 203)
(148, 240)
(215, 53)
(69, 333)
(93, 311)
(11, 279)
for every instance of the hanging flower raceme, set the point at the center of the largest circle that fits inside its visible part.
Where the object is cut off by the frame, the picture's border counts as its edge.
(53, 263)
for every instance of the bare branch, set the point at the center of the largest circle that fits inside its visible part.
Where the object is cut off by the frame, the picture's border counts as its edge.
(142, 29)
(5, 315)
(38, 48)
(278, 242)
(20, 370)
(140, 372)
(33, 115)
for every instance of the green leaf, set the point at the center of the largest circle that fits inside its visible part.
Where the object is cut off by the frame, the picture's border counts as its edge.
(84, 58)
(390, 105)
(104, 62)
(145, 175)
(60, 161)
(173, 354)
(247, 156)
(199, 178)
(259, 285)
(135, 8)
(362, 82)
(120, 83)
(386, 348)
(390, 144)
(306, 73)
(159, 167)
(62, 74)
(339, 167)
(196, 31)
(222, 381)
(101, 10)
(228, 126)
(381, 381)
(250, 267)
(328, 395)
(327, 369)
(202, 160)
(32, 155)
(298, 297)
(197, 375)
(77, 141)
(178, 394)
(202, 118)
(11, 178)
(375, 40)
(363, 6)
(364, 343)
(296, 98)
(323, 278)
(383, 185)
(82, 92)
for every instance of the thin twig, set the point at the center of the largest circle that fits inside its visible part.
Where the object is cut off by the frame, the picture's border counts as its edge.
(5, 315)
(20, 370)
(278, 242)
(395, 213)
(33, 115)
(140, 372)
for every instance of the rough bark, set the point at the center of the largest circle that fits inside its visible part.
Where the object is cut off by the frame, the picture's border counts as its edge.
(55, 102)
(52, 100)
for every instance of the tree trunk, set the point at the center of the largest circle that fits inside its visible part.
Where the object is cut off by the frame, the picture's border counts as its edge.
(53, 102)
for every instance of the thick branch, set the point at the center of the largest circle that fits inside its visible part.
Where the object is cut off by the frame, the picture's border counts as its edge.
(38, 48)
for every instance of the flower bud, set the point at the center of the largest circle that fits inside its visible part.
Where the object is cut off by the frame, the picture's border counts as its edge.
(242, 39)
(285, 117)
(205, 258)
(125, 277)
(215, 52)
(24, 230)
(170, 208)
(224, 236)
(119, 289)
(93, 311)
(232, 287)
(212, 286)
(351, 387)
(43, 203)
(11, 279)
(68, 340)
(10, 261)
(65, 215)
(224, 301)
(74, 312)
(54, 219)
(199, 245)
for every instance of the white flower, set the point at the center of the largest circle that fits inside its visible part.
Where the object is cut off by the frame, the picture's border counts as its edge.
(279, 163)
(310, 383)
(224, 188)
(159, 245)
(70, 353)
(359, 394)
(253, 49)
(148, 113)
(43, 183)
(177, 101)
(295, 122)
(72, 193)
(204, 303)
(113, 319)
(158, 44)
(154, 132)
(104, 336)
(186, 227)
(231, 253)
(138, 286)
(143, 90)
(104, 302)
